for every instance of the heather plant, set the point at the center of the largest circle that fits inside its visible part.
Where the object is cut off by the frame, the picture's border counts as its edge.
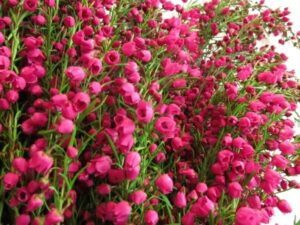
(111, 113)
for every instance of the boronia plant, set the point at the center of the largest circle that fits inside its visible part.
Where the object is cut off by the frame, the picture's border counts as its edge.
(112, 114)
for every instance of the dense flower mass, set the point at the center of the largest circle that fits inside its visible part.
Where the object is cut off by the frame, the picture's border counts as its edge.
(112, 112)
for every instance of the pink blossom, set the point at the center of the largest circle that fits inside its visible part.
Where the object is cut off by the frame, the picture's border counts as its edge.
(144, 55)
(129, 48)
(235, 190)
(280, 161)
(10, 180)
(69, 21)
(20, 164)
(65, 126)
(131, 72)
(164, 183)
(188, 219)
(284, 206)
(30, 5)
(144, 112)
(102, 165)
(72, 152)
(267, 77)
(245, 72)
(104, 189)
(287, 147)
(75, 73)
(165, 125)
(34, 203)
(121, 213)
(112, 58)
(180, 200)
(95, 66)
(81, 101)
(53, 217)
(23, 219)
(138, 197)
(203, 207)
(132, 165)
(247, 216)
(40, 162)
(151, 217)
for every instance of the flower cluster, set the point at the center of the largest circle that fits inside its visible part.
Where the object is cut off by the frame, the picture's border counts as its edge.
(111, 113)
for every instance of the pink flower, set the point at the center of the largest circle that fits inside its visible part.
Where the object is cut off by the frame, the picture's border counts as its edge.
(23, 219)
(125, 143)
(65, 126)
(132, 98)
(75, 73)
(72, 152)
(144, 55)
(171, 68)
(112, 58)
(254, 201)
(69, 21)
(20, 164)
(151, 217)
(53, 217)
(12, 96)
(50, 3)
(126, 88)
(81, 101)
(30, 5)
(4, 62)
(95, 88)
(284, 206)
(59, 100)
(166, 126)
(121, 213)
(280, 161)
(203, 207)
(201, 187)
(138, 197)
(116, 176)
(131, 72)
(224, 158)
(235, 189)
(132, 165)
(34, 203)
(179, 83)
(87, 46)
(247, 216)
(128, 48)
(69, 112)
(271, 180)
(267, 77)
(286, 133)
(95, 66)
(287, 147)
(188, 219)
(40, 162)
(180, 200)
(29, 74)
(103, 189)
(245, 72)
(39, 119)
(2, 38)
(164, 183)
(4, 104)
(124, 124)
(10, 180)
(102, 165)
(144, 112)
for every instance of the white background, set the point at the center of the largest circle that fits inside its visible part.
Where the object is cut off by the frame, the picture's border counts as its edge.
(293, 63)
